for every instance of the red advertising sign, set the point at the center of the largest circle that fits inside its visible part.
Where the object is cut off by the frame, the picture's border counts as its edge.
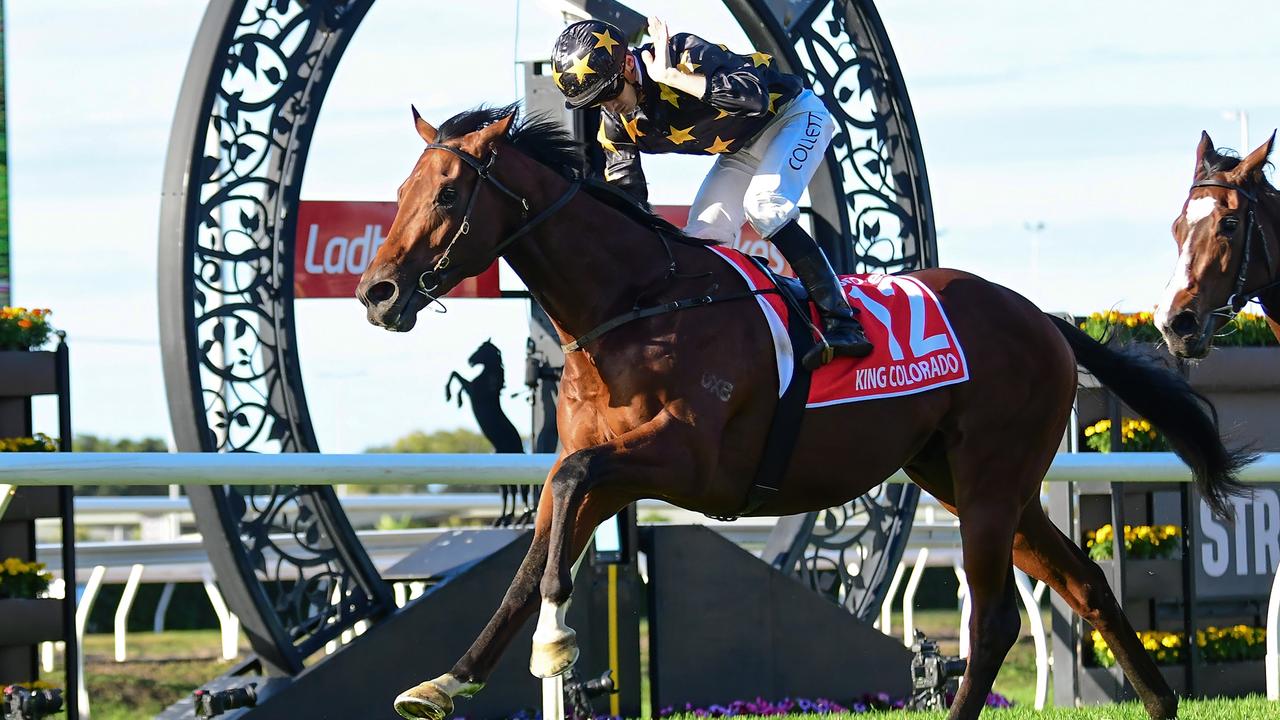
(336, 240)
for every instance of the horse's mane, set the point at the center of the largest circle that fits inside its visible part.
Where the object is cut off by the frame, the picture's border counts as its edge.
(543, 139)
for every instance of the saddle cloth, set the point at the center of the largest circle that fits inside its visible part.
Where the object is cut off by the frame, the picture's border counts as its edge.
(915, 348)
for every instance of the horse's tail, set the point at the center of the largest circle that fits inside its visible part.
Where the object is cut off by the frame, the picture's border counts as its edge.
(1186, 418)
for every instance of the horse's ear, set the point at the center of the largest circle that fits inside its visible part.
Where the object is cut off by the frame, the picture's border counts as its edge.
(1204, 151)
(495, 131)
(1253, 162)
(427, 132)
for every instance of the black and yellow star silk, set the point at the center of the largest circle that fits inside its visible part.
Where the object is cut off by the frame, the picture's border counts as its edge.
(761, 59)
(605, 40)
(633, 129)
(604, 140)
(581, 68)
(773, 99)
(669, 94)
(677, 136)
(719, 146)
(687, 65)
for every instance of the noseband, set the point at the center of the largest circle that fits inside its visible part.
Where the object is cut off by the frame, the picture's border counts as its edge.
(1239, 298)
(432, 279)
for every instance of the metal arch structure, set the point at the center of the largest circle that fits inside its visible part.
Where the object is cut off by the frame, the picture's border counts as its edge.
(255, 83)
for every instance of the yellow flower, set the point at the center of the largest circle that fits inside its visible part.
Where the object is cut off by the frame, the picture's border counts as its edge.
(1113, 316)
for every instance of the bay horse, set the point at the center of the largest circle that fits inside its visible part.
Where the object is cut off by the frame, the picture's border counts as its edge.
(1228, 237)
(637, 422)
(485, 392)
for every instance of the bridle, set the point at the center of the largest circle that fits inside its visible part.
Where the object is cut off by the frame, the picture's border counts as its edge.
(431, 280)
(1239, 298)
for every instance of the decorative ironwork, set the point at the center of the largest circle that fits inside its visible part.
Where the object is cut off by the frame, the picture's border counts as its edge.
(849, 552)
(289, 564)
(846, 56)
(300, 566)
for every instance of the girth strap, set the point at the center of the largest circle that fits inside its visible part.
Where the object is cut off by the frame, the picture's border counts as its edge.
(641, 313)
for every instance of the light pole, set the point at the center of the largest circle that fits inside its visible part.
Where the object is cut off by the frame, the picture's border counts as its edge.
(1243, 116)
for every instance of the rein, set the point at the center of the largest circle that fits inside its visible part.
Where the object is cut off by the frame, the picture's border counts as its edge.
(1239, 298)
(432, 279)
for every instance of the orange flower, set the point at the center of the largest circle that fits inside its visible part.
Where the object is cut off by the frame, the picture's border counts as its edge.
(24, 324)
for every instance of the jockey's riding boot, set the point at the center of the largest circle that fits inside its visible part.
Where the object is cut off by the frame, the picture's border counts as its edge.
(840, 327)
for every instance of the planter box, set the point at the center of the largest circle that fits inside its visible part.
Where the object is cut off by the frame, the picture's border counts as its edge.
(1148, 579)
(1238, 369)
(30, 503)
(1098, 685)
(27, 622)
(25, 373)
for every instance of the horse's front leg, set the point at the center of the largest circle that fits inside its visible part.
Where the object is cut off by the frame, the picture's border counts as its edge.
(433, 699)
(590, 486)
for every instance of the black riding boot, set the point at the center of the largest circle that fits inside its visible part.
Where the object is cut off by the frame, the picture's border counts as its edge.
(840, 327)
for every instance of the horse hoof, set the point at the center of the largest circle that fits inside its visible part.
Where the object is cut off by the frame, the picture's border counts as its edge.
(426, 701)
(554, 656)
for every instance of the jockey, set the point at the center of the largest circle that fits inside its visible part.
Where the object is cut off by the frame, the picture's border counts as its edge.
(768, 132)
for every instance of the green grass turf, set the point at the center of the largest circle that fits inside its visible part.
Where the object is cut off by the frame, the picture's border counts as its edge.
(164, 668)
(1251, 708)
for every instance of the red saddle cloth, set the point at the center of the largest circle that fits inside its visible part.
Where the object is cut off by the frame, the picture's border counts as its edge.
(915, 348)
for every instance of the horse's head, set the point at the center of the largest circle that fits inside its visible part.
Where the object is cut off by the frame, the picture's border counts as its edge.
(447, 225)
(1223, 254)
(486, 354)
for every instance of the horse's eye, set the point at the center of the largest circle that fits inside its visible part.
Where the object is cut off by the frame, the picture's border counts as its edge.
(1229, 225)
(447, 196)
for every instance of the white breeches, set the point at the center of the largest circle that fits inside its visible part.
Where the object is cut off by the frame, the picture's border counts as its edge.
(762, 183)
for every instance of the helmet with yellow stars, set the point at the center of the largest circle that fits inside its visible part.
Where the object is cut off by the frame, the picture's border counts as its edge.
(588, 61)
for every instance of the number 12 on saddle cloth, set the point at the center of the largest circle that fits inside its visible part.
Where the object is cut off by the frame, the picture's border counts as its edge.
(915, 348)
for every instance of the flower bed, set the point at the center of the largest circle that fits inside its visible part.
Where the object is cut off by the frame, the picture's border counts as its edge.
(39, 443)
(23, 580)
(1136, 435)
(1244, 330)
(23, 329)
(1240, 643)
(1144, 542)
(802, 706)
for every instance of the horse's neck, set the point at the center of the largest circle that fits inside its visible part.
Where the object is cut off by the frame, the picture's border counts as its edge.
(1269, 224)
(588, 262)
(489, 381)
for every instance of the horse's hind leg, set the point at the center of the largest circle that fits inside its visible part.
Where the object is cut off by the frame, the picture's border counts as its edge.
(1043, 552)
(986, 532)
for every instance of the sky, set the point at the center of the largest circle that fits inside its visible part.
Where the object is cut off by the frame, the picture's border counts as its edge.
(1080, 120)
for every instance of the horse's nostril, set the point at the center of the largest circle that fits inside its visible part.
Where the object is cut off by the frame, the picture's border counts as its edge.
(1185, 323)
(380, 292)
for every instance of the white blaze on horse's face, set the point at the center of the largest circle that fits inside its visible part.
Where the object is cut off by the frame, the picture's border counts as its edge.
(1197, 209)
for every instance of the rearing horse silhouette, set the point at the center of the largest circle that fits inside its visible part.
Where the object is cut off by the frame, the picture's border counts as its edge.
(636, 421)
(485, 391)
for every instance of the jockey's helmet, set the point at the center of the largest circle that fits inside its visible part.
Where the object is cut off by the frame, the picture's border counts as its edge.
(588, 61)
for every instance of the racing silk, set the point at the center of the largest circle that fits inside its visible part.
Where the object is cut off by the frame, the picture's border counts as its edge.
(743, 94)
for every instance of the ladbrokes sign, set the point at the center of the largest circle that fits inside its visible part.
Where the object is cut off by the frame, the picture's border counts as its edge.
(336, 241)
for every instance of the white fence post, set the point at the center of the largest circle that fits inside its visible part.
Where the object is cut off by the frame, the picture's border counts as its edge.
(909, 597)
(966, 608)
(1032, 604)
(886, 610)
(227, 620)
(162, 607)
(82, 620)
(1273, 640)
(553, 698)
(122, 611)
